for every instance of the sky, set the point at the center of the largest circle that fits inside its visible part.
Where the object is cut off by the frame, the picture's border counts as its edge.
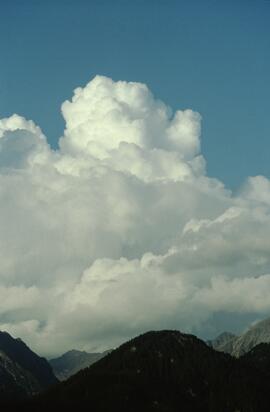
(134, 170)
(211, 56)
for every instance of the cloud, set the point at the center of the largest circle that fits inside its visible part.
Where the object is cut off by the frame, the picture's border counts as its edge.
(22, 144)
(121, 230)
(106, 113)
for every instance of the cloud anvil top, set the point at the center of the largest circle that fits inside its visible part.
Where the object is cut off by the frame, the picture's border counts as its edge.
(123, 208)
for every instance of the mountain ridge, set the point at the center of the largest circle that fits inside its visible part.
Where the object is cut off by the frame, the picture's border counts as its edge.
(237, 346)
(163, 371)
(23, 373)
(72, 361)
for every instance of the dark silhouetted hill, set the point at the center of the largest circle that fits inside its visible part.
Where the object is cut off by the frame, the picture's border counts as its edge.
(22, 372)
(164, 371)
(259, 357)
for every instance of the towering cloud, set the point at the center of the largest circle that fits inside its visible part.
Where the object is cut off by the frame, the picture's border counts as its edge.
(120, 230)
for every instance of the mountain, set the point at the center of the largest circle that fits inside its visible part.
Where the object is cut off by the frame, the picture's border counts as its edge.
(259, 357)
(22, 372)
(163, 371)
(256, 334)
(239, 345)
(223, 342)
(72, 361)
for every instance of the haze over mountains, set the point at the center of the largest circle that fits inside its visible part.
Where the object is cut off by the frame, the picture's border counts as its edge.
(223, 342)
(239, 345)
(72, 361)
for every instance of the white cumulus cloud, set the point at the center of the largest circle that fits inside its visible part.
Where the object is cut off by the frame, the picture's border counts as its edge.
(121, 230)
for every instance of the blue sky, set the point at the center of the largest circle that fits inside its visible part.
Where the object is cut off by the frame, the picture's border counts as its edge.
(211, 56)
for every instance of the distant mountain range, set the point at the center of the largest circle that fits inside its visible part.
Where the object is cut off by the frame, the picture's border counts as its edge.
(239, 345)
(22, 372)
(72, 361)
(223, 342)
